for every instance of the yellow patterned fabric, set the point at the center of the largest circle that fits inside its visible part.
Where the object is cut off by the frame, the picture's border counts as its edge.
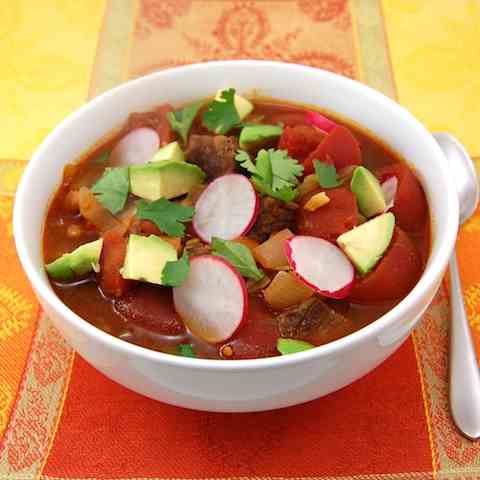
(435, 47)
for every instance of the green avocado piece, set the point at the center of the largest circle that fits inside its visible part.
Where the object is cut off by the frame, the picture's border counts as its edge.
(286, 346)
(146, 258)
(171, 151)
(368, 191)
(252, 134)
(82, 260)
(60, 269)
(243, 106)
(366, 244)
(167, 179)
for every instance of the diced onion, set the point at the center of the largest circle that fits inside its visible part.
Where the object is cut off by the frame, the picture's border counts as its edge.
(271, 253)
(286, 290)
(95, 213)
(389, 188)
(309, 184)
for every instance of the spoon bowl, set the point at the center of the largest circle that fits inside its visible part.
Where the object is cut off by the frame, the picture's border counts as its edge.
(463, 171)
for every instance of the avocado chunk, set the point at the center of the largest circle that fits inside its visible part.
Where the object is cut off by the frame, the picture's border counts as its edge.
(366, 244)
(172, 152)
(368, 191)
(254, 134)
(243, 106)
(82, 260)
(146, 258)
(167, 179)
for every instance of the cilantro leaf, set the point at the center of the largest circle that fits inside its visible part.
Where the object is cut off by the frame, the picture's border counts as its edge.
(274, 173)
(245, 161)
(326, 174)
(285, 169)
(221, 115)
(285, 194)
(181, 120)
(186, 350)
(264, 168)
(112, 189)
(175, 273)
(167, 216)
(239, 256)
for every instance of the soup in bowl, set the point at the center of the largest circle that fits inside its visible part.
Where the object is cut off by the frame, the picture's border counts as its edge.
(200, 222)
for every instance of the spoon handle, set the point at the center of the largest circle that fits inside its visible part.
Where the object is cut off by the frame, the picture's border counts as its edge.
(464, 370)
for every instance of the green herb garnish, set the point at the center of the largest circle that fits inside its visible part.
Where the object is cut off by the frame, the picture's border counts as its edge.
(239, 256)
(167, 216)
(112, 189)
(186, 350)
(175, 273)
(181, 120)
(221, 115)
(286, 346)
(243, 158)
(274, 173)
(326, 174)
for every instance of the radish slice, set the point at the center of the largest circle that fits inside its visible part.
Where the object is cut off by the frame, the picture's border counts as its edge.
(318, 120)
(137, 147)
(213, 300)
(226, 209)
(321, 265)
(389, 188)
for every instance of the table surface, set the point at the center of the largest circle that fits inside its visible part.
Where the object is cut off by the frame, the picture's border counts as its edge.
(59, 418)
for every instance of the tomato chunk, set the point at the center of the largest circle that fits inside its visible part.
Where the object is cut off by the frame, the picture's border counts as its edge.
(340, 147)
(394, 276)
(328, 222)
(164, 128)
(300, 140)
(258, 336)
(151, 308)
(410, 205)
(111, 261)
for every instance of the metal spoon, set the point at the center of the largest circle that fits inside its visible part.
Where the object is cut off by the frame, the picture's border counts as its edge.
(464, 369)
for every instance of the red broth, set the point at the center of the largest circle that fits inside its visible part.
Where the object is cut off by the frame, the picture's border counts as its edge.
(151, 321)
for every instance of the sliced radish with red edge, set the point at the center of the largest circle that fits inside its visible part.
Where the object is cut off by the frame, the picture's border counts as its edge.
(136, 147)
(213, 300)
(320, 121)
(321, 265)
(389, 188)
(226, 209)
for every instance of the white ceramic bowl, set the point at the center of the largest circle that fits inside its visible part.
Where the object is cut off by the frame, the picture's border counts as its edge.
(245, 385)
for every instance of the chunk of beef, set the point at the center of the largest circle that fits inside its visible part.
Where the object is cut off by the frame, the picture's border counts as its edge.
(215, 155)
(274, 216)
(314, 321)
(156, 119)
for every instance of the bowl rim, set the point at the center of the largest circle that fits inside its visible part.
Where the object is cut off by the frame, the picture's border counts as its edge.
(43, 289)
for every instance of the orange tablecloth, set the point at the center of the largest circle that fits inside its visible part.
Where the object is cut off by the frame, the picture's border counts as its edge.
(61, 419)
